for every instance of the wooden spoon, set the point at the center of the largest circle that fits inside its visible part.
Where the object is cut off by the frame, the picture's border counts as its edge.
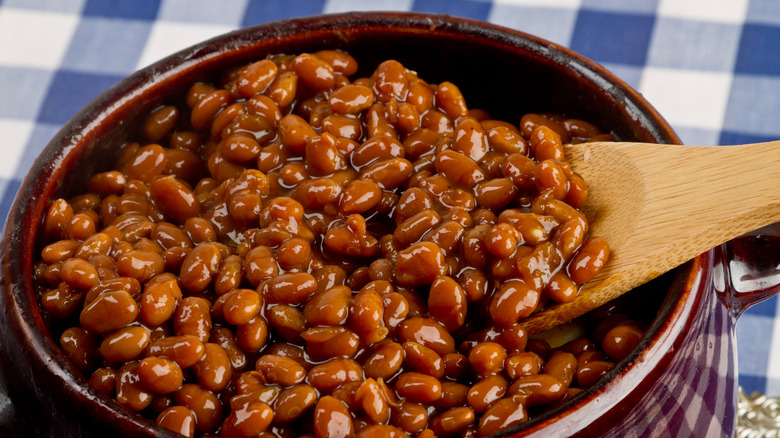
(659, 206)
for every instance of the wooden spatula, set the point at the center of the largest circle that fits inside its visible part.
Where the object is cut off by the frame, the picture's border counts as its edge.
(659, 206)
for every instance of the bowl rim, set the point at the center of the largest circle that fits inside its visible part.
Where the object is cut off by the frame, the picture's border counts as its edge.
(20, 305)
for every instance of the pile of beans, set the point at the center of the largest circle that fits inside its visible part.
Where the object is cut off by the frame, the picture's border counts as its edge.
(289, 252)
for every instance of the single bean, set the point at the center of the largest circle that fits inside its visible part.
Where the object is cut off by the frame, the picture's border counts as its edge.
(487, 358)
(252, 336)
(450, 100)
(177, 419)
(562, 366)
(373, 401)
(294, 402)
(502, 415)
(329, 342)
(291, 288)
(193, 317)
(417, 387)
(125, 344)
(385, 361)
(314, 72)
(214, 369)
(129, 390)
(428, 333)
(332, 419)
(204, 404)
(200, 267)
(588, 261)
(287, 321)
(80, 347)
(247, 418)
(241, 305)
(103, 380)
(256, 77)
(485, 392)
(539, 390)
(409, 417)
(447, 303)
(620, 341)
(185, 350)
(420, 263)
(109, 311)
(453, 421)
(160, 375)
(514, 300)
(329, 375)
(158, 302)
(141, 265)
(280, 370)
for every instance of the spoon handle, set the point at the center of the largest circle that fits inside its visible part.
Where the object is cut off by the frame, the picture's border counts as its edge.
(691, 195)
(680, 201)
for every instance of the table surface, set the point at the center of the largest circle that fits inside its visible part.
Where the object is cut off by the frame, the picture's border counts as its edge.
(712, 67)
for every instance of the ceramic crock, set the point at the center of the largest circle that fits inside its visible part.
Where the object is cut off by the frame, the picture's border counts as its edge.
(679, 382)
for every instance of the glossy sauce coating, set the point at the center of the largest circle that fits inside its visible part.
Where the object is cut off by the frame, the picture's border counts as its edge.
(296, 251)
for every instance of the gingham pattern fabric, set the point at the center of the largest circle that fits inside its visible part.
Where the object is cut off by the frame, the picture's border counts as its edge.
(712, 67)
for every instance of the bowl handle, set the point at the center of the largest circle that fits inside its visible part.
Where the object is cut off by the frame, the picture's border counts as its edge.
(750, 268)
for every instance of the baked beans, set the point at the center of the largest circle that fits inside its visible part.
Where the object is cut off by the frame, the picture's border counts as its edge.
(297, 252)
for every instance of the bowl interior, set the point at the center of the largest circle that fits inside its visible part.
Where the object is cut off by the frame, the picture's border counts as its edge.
(505, 72)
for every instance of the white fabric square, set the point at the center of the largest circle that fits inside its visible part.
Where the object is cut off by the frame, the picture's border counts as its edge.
(750, 324)
(229, 12)
(34, 38)
(16, 134)
(728, 11)
(687, 98)
(168, 37)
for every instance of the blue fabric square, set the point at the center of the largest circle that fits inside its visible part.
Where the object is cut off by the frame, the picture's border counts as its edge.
(643, 6)
(536, 21)
(22, 91)
(613, 37)
(758, 49)
(751, 383)
(73, 6)
(753, 105)
(129, 10)
(334, 6)
(734, 137)
(700, 45)
(227, 12)
(462, 8)
(263, 11)
(70, 91)
(763, 11)
(107, 45)
(8, 191)
(766, 308)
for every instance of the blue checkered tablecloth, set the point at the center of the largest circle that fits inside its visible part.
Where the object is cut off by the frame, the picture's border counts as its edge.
(712, 67)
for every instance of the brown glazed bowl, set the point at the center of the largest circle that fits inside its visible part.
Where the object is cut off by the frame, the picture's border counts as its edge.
(679, 382)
